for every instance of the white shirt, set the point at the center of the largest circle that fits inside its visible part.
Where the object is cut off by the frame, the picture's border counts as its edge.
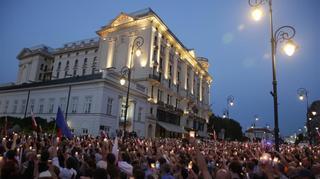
(64, 172)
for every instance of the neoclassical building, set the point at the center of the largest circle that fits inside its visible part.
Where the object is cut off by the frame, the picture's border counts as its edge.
(169, 92)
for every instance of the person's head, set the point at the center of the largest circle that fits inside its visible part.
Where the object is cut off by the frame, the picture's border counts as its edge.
(126, 157)
(236, 167)
(44, 156)
(303, 174)
(100, 173)
(9, 170)
(111, 159)
(10, 154)
(138, 172)
(223, 174)
(71, 163)
(165, 168)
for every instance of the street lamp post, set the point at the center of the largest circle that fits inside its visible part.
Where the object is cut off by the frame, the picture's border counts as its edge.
(282, 34)
(304, 94)
(126, 71)
(230, 103)
(256, 119)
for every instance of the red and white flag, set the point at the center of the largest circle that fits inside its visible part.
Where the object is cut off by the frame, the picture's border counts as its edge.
(214, 135)
(34, 122)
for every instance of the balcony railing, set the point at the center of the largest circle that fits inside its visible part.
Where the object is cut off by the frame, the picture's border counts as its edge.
(154, 77)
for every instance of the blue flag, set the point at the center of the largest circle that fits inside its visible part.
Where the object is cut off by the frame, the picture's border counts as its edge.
(62, 125)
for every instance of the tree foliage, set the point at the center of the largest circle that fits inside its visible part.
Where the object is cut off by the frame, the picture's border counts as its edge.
(25, 124)
(233, 129)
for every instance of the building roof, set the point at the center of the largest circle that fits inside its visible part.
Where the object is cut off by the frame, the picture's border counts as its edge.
(53, 82)
(142, 14)
(39, 49)
(253, 130)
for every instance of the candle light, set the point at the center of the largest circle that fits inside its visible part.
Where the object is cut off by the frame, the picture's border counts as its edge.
(190, 165)
(30, 147)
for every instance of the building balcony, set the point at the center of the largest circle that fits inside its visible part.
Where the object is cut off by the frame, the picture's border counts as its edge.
(154, 78)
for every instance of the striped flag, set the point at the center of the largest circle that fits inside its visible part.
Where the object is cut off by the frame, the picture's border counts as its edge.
(34, 122)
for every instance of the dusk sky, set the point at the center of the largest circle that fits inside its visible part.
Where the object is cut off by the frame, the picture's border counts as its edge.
(237, 47)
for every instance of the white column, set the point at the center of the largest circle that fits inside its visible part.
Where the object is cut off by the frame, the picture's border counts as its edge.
(191, 81)
(158, 52)
(111, 44)
(151, 47)
(129, 62)
(166, 62)
(175, 68)
(200, 90)
(184, 74)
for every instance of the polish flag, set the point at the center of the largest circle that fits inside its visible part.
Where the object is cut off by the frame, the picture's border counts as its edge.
(34, 122)
(214, 135)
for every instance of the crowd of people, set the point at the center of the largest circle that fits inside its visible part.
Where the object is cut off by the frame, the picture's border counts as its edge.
(48, 156)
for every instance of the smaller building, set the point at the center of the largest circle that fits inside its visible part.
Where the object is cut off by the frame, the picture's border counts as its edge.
(259, 133)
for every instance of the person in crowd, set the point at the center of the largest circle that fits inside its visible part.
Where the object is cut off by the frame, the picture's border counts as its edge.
(88, 157)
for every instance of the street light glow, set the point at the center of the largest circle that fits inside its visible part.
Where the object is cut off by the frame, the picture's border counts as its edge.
(289, 48)
(314, 113)
(223, 116)
(138, 52)
(231, 103)
(122, 81)
(256, 14)
(301, 97)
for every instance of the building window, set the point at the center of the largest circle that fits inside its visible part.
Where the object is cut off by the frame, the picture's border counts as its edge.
(15, 106)
(51, 105)
(62, 104)
(41, 105)
(23, 106)
(74, 72)
(76, 63)
(151, 110)
(168, 99)
(68, 54)
(40, 76)
(84, 131)
(87, 104)
(32, 101)
(159, 95)
(123, 108)
(139, 113)
(59, 66)
(74, 104)
(152, 91)
(58, 73)
(85, 62)
(65, 73)
(160, 63)
(109, 106)
(83, 72)
(86, 52)
(104, 128)
(67, 65)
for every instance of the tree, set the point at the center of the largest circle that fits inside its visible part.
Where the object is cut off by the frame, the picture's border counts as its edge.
(25, 124)
(233, 129)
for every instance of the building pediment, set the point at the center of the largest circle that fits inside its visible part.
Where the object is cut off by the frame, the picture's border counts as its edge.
(24, 52)
(121, 19)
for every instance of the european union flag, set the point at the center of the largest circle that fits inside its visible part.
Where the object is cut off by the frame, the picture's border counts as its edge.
(62, 125)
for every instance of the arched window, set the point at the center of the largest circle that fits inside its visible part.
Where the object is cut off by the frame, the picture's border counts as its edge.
(59, 65)
(76, 63)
